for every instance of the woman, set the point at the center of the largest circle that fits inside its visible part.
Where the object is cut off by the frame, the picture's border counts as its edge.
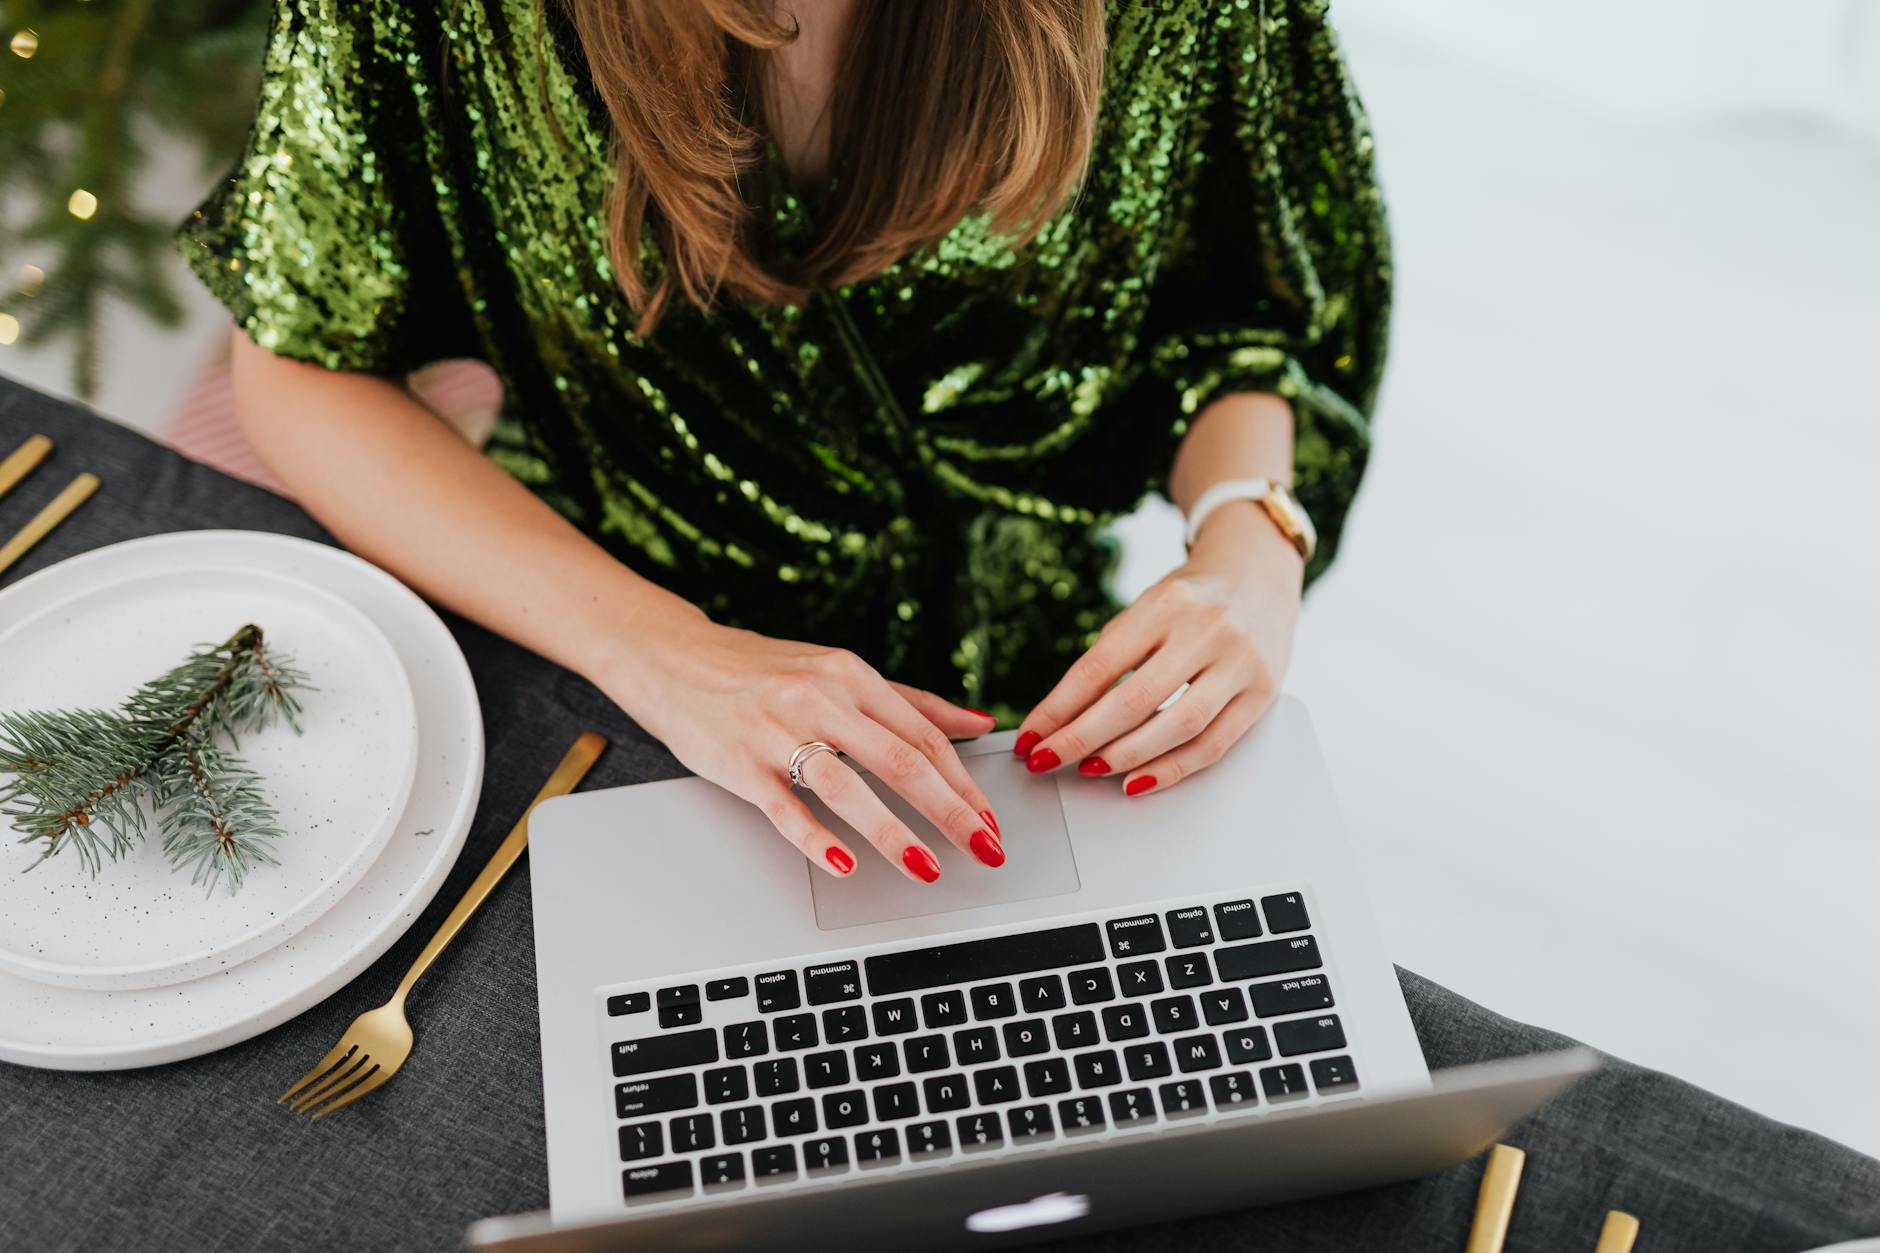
(833, 332)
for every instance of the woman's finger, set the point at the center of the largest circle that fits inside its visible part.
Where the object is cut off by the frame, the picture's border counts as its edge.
(904, 765)
(1117, 651)
(1184, 719)
(906, 720)
(797, 824)
(1161, 773)
(851, 800)
(957, 721)
(1118, 711)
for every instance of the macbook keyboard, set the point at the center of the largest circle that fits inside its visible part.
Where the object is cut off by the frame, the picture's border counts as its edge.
(888, 1057)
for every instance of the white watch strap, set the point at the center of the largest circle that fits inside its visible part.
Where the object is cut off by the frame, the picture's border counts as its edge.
(1220, 494)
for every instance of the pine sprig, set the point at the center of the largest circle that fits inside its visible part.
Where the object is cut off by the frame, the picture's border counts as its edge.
(86, 779)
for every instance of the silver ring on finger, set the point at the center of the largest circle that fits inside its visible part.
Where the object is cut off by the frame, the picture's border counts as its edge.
(801, 756)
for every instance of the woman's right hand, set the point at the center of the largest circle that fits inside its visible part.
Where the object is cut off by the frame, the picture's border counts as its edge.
(733, 706)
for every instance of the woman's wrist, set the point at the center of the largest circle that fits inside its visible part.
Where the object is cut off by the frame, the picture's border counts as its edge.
(1239, 537)
(625, 627)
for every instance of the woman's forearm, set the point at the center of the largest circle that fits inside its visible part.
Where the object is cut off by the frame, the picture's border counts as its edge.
(1239, 436)
(402, 489)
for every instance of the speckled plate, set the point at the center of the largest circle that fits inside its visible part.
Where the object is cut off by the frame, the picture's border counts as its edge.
(85, 1029)
(339, 786)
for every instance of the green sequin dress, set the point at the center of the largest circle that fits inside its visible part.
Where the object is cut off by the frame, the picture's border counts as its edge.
(918, 467)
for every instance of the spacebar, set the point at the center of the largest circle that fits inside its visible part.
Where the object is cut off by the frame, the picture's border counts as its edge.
(972, 960)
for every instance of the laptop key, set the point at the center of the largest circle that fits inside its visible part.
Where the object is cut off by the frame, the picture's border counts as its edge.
(976, 961)
(629, 1003)
(726, 990)
(774, 1164)
(692, 1132)
(925, 1053)
(845, 1109)
(1291, 996)
(683, 1015)
(1089, 987)
(1042, 994)
(778, 991)
(1237, 920)
(1132, 937)
(794, 1117)
(774, 1078)
(1174, 1013)
(1309, 1035)
(1139, 978)
(996, 1085)
(826, 1070)
(1286, 912)
(655, 1183)
(895, 1017)
(665, 1052)
(742, 1125)
(1334, 1074)
(1188, 970)
(1233, 1090)
(1269, 957)
(979, 1132)
(1125, 1022)
(1190, 928)
(976, 1044)
(1197, 1052)
(1131, 1105)
(832, 982)
(727, 1084)
(1183, 1099)
(896, 1100)
(877, 1148)
(877, 1061)
(747, 1039)
(1030, 1122)
(1025, 1037)
(1283, 1083)
(828, 1155)
(1074, 1030)
(1149, 1060)
(994, 1000)
(929, 1139)
(722, 1173)
(946, 1093)
(1048, 1076)
(1247, 1044)
(683, 994)
(845, 1024)
(655, 1096)
(796, 1031)
(943, 1009)
(1081, 1115)
(1222, 1006)
(641, 1139)
(1098, 1069)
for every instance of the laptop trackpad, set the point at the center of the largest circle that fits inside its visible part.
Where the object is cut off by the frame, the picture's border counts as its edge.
(1037, 843)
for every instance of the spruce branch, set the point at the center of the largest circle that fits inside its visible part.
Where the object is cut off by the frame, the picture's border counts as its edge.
(86, 778)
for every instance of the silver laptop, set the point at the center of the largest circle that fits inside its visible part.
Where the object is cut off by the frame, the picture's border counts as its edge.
(1157, 1007)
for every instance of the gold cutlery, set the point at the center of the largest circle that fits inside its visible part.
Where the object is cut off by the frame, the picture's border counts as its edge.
(1494, 1204)
(21, 461)
(1617, 1235)
(74, 494)
(379, 1040)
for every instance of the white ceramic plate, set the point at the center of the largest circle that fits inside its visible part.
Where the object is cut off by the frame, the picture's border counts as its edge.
(79, 1029)
(339, 786)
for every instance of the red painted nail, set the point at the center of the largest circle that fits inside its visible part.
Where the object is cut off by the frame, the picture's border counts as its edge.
(987, 849)
(1026, 743)
(1042, 760)
(982, 713)
(920, 863)
(1093, 765)
(840, 860)
(1138, 785)
(992, 820)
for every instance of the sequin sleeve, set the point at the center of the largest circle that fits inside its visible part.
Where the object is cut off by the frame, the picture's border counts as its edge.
(320, 240)
(1283, 282)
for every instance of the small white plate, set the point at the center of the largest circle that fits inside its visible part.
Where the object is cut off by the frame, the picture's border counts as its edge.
(339, 787)
(79, 1029)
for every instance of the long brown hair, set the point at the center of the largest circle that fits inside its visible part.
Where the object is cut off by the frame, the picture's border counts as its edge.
(940, 108)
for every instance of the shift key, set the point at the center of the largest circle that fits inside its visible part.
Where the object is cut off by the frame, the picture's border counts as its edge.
(665, 1052)
(1271, 957)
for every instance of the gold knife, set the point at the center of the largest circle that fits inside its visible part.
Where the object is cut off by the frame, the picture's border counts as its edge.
(21, 461)
(74, 494)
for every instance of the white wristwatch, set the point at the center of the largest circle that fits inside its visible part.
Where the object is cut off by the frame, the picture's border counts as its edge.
(1276, 498)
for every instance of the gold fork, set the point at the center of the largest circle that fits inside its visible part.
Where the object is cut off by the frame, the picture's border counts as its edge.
(379, 1040)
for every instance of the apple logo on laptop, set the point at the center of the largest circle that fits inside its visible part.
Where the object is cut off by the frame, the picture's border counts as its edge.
(1053, 1207)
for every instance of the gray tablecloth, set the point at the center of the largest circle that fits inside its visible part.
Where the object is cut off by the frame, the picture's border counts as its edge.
(196, 1156)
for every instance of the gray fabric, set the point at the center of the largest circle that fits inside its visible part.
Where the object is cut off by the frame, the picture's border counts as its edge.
(196, 1156)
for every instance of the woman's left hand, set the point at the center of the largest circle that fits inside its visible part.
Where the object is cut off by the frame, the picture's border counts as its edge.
(1222, 623)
